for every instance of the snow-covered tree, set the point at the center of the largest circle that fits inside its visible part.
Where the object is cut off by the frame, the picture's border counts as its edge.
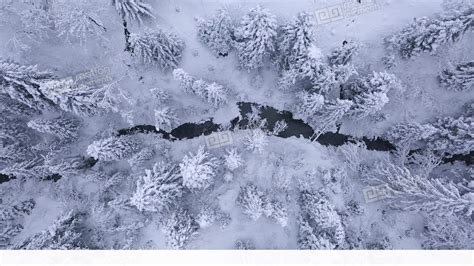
(255, 140)
(161, 95)
(309, 239)
(418, 192)
(160, 48)
(309, 104)
(72, 97)
(428, 34)
(133, 10)
(447, 233)
(140, 158)
(21, 209)
(23, 83)
(343, 55)
(232, 159)
(369, 93)
(276, 211)
(206, 216)
(329, 117)
(78, 22)
(211, 92)
(198, 170)
(452, 135)
(7, 232)
(253, 201)
(63, 234)
(408, 132)
(294, 41)
(158, 189)
(113, 148)
(179, 228)
(165, 118)
(315, 74)
(279, 127)
(185, 81)
(255, 37)
(460, 77)
(320, 215)
(217, 33)
(62, 127)
(214, 93)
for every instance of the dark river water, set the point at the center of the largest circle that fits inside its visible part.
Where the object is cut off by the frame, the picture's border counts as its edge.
(296, 127)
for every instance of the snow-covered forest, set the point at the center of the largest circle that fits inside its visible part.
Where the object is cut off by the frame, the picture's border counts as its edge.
(230, 124)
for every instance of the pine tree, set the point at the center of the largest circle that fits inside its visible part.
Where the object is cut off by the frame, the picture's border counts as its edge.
(253, 201)
(409, 132)
(133, 10)
(113, 148)
(62, 127)
(206, 216)
(198, 170)
(343, 55)
(447, 233)
(369, 93)
(8, 232)
(161, 48)
(76, 23)
(277, 212)
(185, 81)
(256, 140)
(23, 83)
(323, 221)
(294, 41)
(232, 159)
(460, 77)
(63, 234)
(179, 228)
(255, 38)
(165, 119)
(158, 189)
(309, 104)
(308, 239)
(21, 209)
(329, 117)
(418, 192)
(139, 159)
(427, 35)
(213, 93)
(452, 135)
(72, 97)
(217, 33)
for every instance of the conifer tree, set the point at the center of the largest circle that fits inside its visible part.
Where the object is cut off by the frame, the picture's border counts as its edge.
(255, 38)
(217, 33)
(179, 228)
(198, 170)
(23, 83)
(62, 127)
(160, 48)
(158, 189)
(294, 41)
(460, 77)
(113, 148)
(428, 34)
